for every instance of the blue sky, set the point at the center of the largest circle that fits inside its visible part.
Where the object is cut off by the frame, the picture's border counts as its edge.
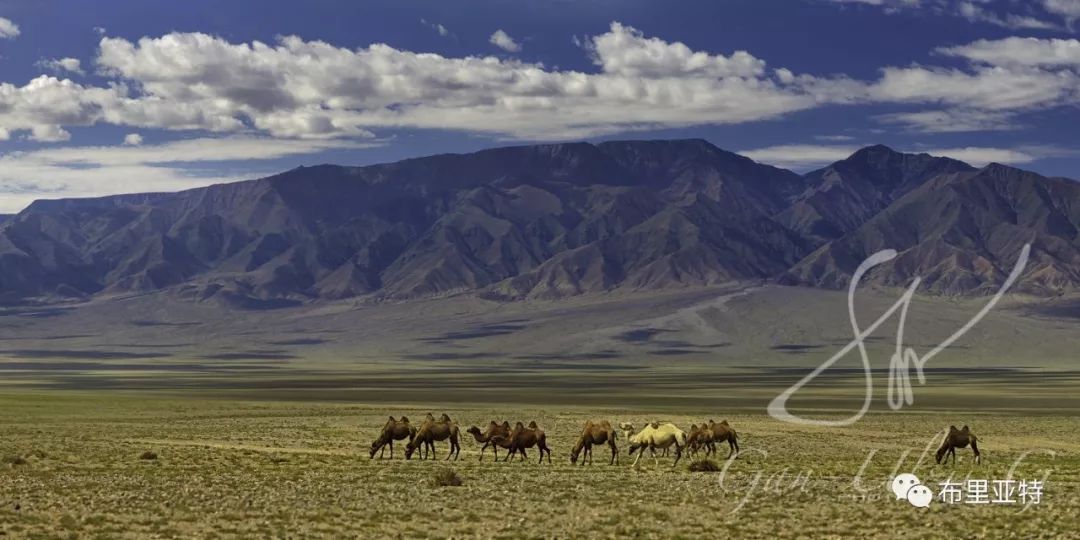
(111, 97)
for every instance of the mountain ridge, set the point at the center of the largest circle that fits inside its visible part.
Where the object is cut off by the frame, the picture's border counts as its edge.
(548, 221)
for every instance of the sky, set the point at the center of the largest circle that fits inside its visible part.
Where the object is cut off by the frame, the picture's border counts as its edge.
(108, 97)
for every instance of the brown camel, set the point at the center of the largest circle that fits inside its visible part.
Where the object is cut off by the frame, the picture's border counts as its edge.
(957, 438)
(394, 430)
(526, 437)
(595, 433)
(494, 430)
(698, 438)
(722, 432)
(431, 431)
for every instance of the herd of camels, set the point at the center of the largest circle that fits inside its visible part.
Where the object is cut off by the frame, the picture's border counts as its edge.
(654, 436)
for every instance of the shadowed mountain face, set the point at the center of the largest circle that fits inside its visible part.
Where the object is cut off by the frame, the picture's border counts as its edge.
(550, 221)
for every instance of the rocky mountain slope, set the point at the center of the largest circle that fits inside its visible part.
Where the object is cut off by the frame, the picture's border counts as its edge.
(549, 221)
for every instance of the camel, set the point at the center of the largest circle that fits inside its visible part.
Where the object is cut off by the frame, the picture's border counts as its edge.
(493, 430)
(595, 433)
(657, 435)
(720, 433)
(698, 438)
(394, 430)
(525, 437)
(957, 438)
(628, 430)
(435, 430)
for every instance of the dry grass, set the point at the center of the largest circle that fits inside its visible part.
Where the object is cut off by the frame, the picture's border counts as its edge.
(272, 469)
(445, 477)
(704, 465)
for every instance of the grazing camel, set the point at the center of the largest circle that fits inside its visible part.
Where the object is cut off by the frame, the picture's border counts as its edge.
(595, 433)
(494, 430)
(526, 437)
(435, 430)
(698, 438)
(957, 438)
(657, 435)
(394, 430)
(722, 432)
(628, 430)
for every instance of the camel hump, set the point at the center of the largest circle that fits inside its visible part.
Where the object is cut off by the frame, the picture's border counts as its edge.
(444, 417)
(965, 429)
(392, 419)
(405, 419)
(953, 428)
(532, 425)
(724, 423)
(655, 425)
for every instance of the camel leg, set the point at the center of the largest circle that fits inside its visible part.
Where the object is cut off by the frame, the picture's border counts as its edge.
(391, 448)
(975, 449)
(640, 451)
(652, 451)
(614, 453)
(678, 454)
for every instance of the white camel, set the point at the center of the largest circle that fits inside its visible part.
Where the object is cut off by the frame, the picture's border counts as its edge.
(656, 435)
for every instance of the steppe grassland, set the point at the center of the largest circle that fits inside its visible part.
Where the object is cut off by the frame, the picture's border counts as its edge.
(73, 467)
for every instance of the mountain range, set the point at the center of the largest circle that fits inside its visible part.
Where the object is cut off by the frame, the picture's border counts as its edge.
(549, 221)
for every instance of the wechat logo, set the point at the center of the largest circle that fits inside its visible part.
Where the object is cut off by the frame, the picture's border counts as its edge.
(907, 486)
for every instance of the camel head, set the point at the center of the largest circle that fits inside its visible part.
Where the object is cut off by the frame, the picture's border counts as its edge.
(940, 452)
(474, 430)
(410, 449)
(376, 445)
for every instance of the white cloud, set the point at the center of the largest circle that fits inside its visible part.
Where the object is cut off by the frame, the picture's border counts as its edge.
(60, 65)
(973, 12)
(1018, 51)
(626, 51)
(1069, 9)
(808, 156)
(312, 89)
(92, 171)
(503, 41)
(800, 156)
(440, 29)
(978, 11)
(952, 120)
(132, 139)
(8, 29)
(982, 156)
(834, 138)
